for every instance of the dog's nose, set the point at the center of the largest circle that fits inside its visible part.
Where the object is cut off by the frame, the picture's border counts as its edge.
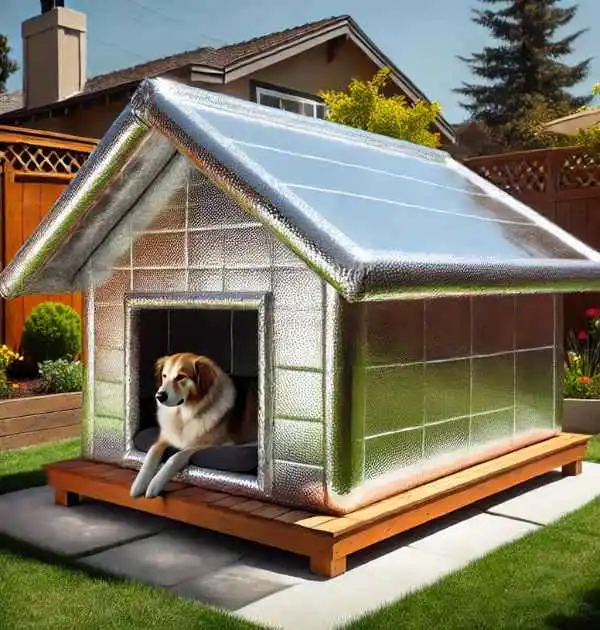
(162, 396)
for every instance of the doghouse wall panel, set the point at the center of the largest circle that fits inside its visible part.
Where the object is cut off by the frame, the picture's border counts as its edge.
(200, 240)
(435, 381)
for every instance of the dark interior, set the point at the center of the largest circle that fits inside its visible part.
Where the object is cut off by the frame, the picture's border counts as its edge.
(228, 337)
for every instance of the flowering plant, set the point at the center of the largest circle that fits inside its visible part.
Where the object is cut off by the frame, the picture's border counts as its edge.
(8, 356)
(582, 363)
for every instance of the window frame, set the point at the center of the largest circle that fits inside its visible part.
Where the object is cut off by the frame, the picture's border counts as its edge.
(264, 89)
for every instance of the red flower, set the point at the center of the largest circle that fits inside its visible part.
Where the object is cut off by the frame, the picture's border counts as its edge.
(582, 335)
(592, 313)
(584, 380)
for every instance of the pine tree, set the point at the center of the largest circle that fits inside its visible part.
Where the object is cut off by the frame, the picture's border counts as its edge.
(7, 65)
(524, 81)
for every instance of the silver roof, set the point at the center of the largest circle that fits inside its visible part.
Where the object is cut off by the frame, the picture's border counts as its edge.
(377, 218)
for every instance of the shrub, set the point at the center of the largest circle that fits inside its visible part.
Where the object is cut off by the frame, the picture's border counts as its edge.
(5, 387)
(52, 331)
(61, 376)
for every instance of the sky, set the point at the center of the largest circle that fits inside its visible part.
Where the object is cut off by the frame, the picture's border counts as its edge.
(422, 37)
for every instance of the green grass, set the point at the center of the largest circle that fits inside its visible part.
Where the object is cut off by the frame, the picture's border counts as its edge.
(22, 468)
(593, 452)
(39, 589)
(548, 580)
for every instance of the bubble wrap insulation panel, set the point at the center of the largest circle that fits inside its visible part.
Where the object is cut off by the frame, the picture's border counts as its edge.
(197, 241)
(436, 385)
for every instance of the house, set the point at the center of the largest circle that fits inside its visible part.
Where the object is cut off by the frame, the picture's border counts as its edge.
(285, 70)
(400, 313)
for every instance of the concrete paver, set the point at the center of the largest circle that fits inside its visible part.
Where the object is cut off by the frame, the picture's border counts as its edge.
(31, 516)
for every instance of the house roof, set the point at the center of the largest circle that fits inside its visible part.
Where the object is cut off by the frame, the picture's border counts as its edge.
(377, 218)
(235, 57)
(10, 101)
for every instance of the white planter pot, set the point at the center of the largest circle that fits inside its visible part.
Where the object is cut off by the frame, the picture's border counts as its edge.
(581, 416)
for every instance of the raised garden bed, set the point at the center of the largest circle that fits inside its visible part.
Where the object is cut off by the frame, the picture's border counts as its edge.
(581, 415)
(27, 419)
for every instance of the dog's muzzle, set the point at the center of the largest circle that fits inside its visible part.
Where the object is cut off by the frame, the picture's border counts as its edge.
(163, 398)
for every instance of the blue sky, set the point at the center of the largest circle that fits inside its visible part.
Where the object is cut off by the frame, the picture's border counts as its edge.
(423, 37)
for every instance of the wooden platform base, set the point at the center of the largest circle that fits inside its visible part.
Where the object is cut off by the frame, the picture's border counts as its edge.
(326, 540)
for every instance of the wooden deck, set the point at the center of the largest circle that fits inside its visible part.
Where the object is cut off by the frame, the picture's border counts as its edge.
(326, 540)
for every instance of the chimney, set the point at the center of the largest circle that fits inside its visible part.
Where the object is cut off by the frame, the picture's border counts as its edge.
(54, 54)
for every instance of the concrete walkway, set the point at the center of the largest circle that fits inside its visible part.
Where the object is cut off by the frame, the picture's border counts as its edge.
(275, 588)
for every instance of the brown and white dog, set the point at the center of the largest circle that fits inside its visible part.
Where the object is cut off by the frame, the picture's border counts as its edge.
(196, 408)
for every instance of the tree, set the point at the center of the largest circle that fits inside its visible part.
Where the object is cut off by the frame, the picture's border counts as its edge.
(7, 65)
(364, 106)
(524, 81)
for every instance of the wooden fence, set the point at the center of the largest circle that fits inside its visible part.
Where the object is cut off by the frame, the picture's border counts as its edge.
(35, 167)
(564, 186)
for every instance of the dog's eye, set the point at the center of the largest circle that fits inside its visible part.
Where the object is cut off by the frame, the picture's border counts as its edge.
(164, 376)
(180, 377)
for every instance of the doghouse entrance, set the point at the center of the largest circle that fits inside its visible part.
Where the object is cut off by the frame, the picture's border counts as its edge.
(229, 336)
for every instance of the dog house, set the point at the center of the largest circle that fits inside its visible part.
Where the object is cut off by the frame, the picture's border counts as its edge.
(401, 315)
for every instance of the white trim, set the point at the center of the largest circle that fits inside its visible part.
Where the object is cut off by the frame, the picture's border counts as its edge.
(283, 95)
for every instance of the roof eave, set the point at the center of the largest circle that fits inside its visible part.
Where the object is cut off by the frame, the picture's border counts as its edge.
(345, 26)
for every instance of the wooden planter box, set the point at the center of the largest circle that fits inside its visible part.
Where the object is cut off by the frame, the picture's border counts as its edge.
(581, 415)
(37, 419)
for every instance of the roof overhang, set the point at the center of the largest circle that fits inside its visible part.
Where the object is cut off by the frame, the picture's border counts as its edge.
(137, 162)
(344, 28)
(570, 125)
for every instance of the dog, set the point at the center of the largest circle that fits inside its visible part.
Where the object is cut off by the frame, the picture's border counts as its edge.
(198, 406)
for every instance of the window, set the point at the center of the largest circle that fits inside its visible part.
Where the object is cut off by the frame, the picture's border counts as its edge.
(290, 102)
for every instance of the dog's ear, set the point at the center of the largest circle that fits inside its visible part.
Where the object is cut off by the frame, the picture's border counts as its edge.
(205, 376)
(158, 368)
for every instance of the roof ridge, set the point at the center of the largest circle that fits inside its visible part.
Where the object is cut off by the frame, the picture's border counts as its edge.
(226, 47)
(333, 18)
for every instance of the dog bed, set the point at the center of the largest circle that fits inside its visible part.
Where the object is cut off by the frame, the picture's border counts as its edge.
(238, 458)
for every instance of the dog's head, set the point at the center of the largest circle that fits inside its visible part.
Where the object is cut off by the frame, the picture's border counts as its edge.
(182, 377)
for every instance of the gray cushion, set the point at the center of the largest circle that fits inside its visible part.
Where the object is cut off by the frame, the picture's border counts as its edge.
(239, 458)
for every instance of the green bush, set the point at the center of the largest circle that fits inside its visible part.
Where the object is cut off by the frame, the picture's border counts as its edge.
(60, 376)
(51, 332)
(5, 387)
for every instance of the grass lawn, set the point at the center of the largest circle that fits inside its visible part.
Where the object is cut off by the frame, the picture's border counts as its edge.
(46, 591)
(548, 580)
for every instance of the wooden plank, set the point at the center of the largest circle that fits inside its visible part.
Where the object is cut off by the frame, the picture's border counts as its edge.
(43, 138)
(13, 239)
(460, 479)
(33, 405)
(52, 420)
(327, 540)
(226, 521)
(32, 438)
(382, 529)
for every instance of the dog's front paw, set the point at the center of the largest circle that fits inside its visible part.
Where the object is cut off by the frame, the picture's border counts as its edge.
(155, 487)
(138, 488)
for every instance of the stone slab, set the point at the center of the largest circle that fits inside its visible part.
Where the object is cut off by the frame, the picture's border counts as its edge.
(234, 587)
(473, 537)
(165, 559)
(550, 501)
(31, 516)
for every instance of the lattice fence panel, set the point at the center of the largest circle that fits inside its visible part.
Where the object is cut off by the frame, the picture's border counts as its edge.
(579, 170)
(35, 159)
(515, 176)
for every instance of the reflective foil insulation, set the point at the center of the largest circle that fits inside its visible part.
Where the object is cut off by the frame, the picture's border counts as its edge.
(402, 315)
